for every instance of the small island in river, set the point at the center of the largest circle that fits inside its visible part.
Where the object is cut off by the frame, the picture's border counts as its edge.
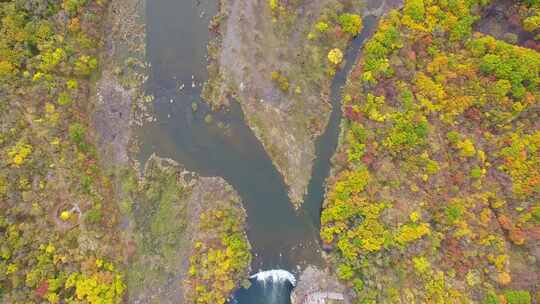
(277, 60)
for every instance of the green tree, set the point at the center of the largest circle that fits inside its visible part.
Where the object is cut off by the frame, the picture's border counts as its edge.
(415, 9)
(350, 23)
(518, 297)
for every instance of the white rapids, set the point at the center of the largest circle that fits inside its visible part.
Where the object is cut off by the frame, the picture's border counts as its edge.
(275, 275)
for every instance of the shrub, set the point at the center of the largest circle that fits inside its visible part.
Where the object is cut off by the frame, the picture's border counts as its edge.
(421, 264)
(466, 148)
(491, 298)
(476, 172)
(93, 216)
(77, 133)
(64, 99)
(415, 9)
(281, 80)
(518, 297)
(321, 26)
(335, 56)
(536, 214)
(19, 153)
(345, 272)
(350, 23)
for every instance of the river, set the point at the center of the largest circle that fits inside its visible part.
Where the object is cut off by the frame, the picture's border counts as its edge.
(177, 35)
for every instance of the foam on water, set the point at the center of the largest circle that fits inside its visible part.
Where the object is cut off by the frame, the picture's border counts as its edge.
(275, 275)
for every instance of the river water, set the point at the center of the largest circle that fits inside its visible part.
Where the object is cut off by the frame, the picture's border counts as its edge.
(177, 35)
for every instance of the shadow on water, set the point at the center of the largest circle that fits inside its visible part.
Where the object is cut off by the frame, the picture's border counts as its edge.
(177, 35)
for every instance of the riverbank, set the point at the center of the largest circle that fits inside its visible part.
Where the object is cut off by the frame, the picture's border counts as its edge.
(120, 103)
(171, 238)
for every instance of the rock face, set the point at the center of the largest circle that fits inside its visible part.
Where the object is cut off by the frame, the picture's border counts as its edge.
(317, 286)
(169, 235)
(275, 64)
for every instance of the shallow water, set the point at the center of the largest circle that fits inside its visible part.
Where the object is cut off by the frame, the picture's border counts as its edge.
(281, 238)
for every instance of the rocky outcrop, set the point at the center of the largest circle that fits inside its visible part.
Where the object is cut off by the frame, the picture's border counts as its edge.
(316, 286)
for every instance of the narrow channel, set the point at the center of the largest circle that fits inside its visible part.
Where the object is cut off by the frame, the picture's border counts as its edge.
(177, 35)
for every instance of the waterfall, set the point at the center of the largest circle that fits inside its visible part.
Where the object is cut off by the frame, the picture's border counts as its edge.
(269, 287)
(275, 275)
